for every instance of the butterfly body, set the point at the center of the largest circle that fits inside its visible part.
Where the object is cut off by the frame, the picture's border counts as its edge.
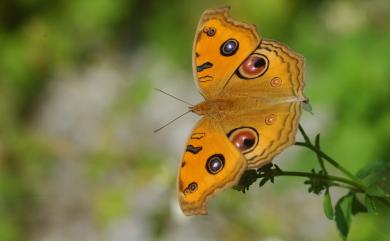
(253, 90)
(223, 107)
(230, 106)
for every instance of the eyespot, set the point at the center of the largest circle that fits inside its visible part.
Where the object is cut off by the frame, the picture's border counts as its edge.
(270, 119)
(244, 138)
(192, 186)
(229, 47)
(254, 66)
(276, 82)
(215, 163)
(211, 31)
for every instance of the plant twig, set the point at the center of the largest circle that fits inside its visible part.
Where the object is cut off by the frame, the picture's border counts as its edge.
(316, 175)
(321, 155)
(317, 145)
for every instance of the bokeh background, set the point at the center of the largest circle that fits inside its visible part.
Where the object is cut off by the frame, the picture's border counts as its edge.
(78, 156)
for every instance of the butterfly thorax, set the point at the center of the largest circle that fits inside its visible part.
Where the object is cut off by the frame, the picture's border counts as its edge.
(212, 106)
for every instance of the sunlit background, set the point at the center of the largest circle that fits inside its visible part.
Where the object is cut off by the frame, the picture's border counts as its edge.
(78, 156)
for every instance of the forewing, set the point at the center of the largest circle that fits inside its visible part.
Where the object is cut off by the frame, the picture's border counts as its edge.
(221, 44)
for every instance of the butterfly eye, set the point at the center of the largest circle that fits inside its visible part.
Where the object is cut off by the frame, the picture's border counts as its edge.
(215, 163)
(244, 138)
(229, 47)
(253, 67)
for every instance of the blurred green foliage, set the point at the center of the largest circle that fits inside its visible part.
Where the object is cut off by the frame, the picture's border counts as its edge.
(345, 43)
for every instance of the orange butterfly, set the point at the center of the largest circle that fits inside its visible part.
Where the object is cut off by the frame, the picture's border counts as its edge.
(253, 90)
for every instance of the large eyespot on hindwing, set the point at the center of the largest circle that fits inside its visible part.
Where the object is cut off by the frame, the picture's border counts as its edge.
(229, 47)
(244, 138)
(215, 163)
(253, 67)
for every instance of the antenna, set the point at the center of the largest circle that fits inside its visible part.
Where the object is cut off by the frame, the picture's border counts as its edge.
(171, 121)
(173, 96)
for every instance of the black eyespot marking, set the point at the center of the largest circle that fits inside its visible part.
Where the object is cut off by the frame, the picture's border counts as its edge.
(253, 67)
(211, 31)
(192, 186)
(229, 47)
(248, 143)
(193, 150)
(215, 163)
(183, 164)
(244, 138)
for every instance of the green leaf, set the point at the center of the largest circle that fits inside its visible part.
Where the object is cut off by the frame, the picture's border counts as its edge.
(372, 168)
(247, 179)
(263, 181)
(358, 206)
(376, 191)
(343, 215)
(370, 204)
(374, 177)
(327, 204)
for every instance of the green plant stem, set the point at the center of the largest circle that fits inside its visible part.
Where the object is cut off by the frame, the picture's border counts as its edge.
(305, 137)
(324, 177)
(317, 145)
(321, 155)
(333, 162)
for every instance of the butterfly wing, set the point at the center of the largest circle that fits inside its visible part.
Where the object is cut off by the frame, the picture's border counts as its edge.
(221, 44)
(273, 74)
(210, 163)
(272, 71)
(263, 134)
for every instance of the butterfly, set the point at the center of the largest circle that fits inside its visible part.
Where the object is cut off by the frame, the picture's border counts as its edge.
(253, 91)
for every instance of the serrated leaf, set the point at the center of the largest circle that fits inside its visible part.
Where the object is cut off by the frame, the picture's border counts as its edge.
(370, 204)
(358, 206)
(327, 204)
(343, 215)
